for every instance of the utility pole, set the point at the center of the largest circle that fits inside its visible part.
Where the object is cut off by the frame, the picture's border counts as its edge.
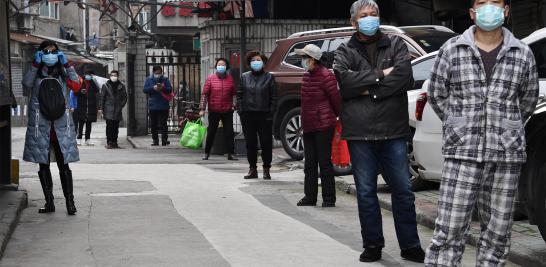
(243, 39)
(86, 27)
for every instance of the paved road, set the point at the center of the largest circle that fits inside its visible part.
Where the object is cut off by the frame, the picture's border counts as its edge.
(134, 211)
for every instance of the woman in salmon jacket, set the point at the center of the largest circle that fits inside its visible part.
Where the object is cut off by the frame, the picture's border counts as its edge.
(50, 127)
(219, 95)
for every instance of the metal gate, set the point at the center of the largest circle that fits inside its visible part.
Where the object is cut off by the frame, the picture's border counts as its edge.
(184, 72)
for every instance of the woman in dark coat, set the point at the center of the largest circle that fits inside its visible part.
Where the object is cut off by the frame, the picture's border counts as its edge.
(44, 135)
(320, 106)
(88, 99)
(256, 101)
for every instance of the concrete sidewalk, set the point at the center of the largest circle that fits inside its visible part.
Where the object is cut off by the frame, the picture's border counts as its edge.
(11, 205)
(528, 248)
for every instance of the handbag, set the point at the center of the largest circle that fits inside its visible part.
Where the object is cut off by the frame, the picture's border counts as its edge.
(193, 134)
(340, 150)
(169, 97)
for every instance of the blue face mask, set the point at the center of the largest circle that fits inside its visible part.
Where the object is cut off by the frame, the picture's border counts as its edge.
(304, 64)
(221, 69)
(50, 59)
(88, 77)
(368, 25)
(489, 17)
(257, 65)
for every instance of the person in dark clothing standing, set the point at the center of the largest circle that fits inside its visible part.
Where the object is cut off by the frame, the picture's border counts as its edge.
(156, 86)
(374, 73)
(218, 94)
(256, 101)
(88, 99)
(113, 99)
(320, 105)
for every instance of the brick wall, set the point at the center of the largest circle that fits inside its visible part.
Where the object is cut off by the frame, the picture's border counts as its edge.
(141, 101)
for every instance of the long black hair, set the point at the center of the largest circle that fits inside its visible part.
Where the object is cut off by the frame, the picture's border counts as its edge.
(55, 70)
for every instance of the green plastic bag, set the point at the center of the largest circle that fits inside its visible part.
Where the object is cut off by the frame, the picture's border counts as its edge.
(193, 134)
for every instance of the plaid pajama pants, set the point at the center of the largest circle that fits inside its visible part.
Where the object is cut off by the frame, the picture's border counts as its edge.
(492, 188)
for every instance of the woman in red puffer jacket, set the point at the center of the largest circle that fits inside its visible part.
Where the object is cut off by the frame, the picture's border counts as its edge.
(218, 94)
(320, 106)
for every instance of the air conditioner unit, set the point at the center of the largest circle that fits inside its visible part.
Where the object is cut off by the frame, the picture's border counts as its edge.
(24, 22)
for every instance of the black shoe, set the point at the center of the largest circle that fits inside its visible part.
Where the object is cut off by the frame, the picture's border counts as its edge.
(116, 146)
(231, 157)
(252, 174)
(304, 202)
(415, 254)
(47, 187)
(206, 157)
(328, 204)
(370, 255)
(155, 143)
(66, 182)
(267, 173)
(165, 143)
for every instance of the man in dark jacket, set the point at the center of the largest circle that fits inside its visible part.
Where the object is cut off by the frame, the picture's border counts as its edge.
(114, 98)
(374, 71)
(158, 87)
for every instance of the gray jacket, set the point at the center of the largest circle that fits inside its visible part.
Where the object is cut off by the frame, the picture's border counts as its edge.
(37, 138)
(113, 100)
(484, 121)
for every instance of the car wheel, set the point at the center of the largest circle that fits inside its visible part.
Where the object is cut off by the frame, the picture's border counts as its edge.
(417, 182)
(292, 134)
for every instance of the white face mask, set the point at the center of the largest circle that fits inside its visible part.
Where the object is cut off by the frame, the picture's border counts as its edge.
(114, 78)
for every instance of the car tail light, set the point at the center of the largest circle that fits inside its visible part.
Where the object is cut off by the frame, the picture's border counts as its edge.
(420, 106)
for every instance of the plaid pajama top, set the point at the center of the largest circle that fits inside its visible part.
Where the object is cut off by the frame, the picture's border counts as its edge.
(484, 120)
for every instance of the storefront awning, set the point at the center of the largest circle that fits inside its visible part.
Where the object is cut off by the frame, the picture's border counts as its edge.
(25, 38)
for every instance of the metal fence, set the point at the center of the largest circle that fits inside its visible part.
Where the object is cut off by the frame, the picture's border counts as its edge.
(184, 74)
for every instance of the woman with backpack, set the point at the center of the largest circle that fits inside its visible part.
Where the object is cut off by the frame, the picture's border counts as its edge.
(50, 127)
(89, 105)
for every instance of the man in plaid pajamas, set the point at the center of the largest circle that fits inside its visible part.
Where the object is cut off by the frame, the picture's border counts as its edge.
(484, 87)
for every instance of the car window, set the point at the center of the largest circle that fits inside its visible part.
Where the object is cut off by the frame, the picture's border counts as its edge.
(421, 72)
(539, 50)
(293, 59)
(334, 44)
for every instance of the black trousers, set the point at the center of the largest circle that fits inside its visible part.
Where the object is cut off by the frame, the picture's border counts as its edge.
(112, 131)
(318, 153)
(58, 157)
(79, 125)
(158, 119)
(256, 125)
(227, 122)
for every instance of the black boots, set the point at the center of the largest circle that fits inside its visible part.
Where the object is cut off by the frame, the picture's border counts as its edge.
(370, 255)
(206, 157)
(267, 174)
(415, 254)
(231, 157)
(47, 187)
(252, 174)
(66, 182)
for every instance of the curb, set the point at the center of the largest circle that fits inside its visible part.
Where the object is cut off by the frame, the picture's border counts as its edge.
(428, 221)
(10, 217)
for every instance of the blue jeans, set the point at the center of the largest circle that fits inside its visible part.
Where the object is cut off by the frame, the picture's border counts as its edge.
(389, 156)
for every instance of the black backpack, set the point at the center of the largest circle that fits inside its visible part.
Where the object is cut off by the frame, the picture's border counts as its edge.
(51, 99)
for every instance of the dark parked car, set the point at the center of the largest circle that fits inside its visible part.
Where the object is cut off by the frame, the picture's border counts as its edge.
(285, 65)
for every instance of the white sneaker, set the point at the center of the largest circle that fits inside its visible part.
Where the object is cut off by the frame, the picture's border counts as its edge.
(88, 143)
(79, 142)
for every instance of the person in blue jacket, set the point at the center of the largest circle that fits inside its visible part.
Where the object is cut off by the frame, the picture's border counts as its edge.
(158, 87)
(73, 105)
